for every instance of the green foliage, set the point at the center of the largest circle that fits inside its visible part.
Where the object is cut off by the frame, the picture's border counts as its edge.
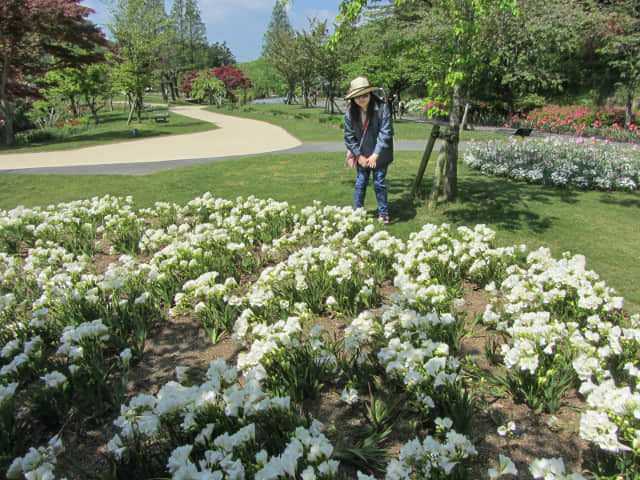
(50, 405)
(607, 465)
(10, 431)
(368, 453)
(541, 391)
(140, 29)
(382, 411)
(265, 79)
(294, 372)
(208, 88)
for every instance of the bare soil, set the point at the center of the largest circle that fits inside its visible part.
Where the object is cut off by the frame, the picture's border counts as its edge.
(181, 342)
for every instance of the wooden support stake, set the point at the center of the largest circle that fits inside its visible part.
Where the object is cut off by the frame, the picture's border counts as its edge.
(437, 180)
(435, 133)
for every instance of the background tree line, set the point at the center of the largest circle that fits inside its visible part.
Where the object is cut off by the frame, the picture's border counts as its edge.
(53, 59)
(504, 55)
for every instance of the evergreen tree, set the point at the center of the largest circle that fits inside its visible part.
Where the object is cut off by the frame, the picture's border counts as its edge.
(190, 31)
(140, 29)
(279, 47)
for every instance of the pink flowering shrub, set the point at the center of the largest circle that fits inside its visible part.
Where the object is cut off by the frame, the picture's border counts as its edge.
(581, 120)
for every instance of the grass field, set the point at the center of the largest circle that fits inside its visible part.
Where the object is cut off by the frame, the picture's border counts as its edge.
(602, 226)
(113, 128)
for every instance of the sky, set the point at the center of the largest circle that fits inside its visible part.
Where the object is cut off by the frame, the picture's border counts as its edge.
(241, 23)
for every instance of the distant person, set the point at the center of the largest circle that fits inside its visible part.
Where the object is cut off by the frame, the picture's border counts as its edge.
(368, 134)
(403, 106)
(394, 105)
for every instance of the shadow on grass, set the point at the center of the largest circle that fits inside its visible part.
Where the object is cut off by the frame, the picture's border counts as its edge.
(507, 205)
(627, 201)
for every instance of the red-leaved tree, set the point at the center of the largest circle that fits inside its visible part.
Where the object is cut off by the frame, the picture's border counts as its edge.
(36, 36)
(185, 86)
(233, 79)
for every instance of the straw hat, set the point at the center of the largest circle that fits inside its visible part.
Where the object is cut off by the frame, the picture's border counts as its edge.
(359, 86)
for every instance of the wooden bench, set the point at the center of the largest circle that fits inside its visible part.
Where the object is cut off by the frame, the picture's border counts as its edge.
(523, 132)
(161, 117)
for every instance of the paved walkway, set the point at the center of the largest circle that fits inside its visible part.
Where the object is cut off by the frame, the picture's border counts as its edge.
(235, 137)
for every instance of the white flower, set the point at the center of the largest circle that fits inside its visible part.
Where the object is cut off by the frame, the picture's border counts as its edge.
(329, 467)
(349, 395)
(7, 392)
(179, 458)
(181, 373)
(261, 457)
(506, 467)
(362, 476)
(444, 423)
(125, 356)
(116, 447)
(308, 474)
(547, 468)
(54, 379)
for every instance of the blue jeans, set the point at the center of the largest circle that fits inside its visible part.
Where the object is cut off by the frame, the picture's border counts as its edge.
(379, 186)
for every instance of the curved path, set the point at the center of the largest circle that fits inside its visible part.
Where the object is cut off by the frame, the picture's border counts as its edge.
(234, 137)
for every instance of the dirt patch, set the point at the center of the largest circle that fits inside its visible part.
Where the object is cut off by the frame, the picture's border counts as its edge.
(182, 341)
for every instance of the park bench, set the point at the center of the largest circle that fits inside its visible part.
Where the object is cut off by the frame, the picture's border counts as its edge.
(161, 117)
(523, 132)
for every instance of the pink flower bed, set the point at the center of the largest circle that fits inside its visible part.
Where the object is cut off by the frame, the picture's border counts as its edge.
(580, 120)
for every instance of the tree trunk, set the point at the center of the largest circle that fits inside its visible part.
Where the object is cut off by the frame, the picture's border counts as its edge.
(437, 179)
(131, 109)
(5, 104)
(173, 87)
(165, 96)
(628, 112)
(463, 123)
(7, 116)
(451, 174)
(139, 105)
(92, 106)
(74, 106)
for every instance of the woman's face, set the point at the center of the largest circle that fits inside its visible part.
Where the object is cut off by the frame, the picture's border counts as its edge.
(363, 101)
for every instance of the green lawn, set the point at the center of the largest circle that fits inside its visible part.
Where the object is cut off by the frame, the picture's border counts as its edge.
(602, 226)
(314, 125)
(113, 128)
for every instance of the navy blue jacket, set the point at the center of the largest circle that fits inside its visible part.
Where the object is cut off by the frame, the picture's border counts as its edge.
(378, 138)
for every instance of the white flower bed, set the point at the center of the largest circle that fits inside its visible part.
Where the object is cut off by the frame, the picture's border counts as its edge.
(61, 322)
(564, 162)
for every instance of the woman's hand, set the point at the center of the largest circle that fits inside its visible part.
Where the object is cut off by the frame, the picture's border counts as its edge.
(363, 161)
(372, 161)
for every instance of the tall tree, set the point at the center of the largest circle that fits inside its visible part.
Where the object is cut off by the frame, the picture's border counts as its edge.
(382, 52)
(37, 35)
(620, 30)
(308, 46)
(279, 47)
(329, 61)
(534, 56)
(265, 79)
(454, 57)
(63, 85)
(139, 28)
(218, 54)
(190, 31)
